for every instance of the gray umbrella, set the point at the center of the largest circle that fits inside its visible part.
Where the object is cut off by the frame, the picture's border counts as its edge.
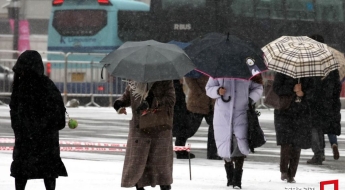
(148, 61)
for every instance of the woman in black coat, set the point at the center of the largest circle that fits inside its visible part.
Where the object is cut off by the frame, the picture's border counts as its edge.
(37, 114)
(293, 125)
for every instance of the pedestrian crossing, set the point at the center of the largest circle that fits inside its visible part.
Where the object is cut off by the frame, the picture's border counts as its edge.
(115, 131)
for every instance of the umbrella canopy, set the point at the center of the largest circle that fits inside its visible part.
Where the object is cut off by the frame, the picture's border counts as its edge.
(299, 56)
(221, 56)
(340, 58)
(148, 61)
(193, 73)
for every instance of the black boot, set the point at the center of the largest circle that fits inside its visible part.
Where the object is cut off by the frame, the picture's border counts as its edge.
(184, 155)
(165, 187)
(229, 168)
(237, 179)
(315, 160)
(141, 188)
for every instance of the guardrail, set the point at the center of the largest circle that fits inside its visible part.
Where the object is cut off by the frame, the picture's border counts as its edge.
(73, 78)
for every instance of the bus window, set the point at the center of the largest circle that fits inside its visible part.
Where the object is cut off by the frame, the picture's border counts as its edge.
(330, 10)
(79, 22)
(263, 9)
(277, 9)
(273, 9)
(300, 10)
(168, 4)
(243, 8)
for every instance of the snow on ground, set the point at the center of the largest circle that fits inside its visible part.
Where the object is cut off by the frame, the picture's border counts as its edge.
(103, 171)
(206, 175)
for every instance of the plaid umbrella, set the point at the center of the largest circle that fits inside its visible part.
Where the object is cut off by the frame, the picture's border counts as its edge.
(299, 56)
(340, 58)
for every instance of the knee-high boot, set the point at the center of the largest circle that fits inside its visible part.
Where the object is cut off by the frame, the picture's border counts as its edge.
(238, 171)
(229, 168)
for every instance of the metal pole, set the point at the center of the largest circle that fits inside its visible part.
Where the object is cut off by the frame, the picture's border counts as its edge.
(111, 83)
(15, 6)
(65, 80)
(91, 89)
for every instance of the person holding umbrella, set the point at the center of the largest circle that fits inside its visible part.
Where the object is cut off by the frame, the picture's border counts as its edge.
(293, 129)
(151, 67)
(231, 64)
(149, 156)
(230, 121)
(299, 62)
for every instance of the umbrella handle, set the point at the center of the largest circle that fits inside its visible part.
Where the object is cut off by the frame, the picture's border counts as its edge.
(228, 100)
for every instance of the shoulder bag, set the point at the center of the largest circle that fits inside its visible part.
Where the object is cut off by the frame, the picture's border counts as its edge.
(274, 100)
(155, 120)
(256, 137)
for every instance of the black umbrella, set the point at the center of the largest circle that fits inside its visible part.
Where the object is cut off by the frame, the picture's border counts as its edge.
(148, 61)
(226, 56)
(193, 73)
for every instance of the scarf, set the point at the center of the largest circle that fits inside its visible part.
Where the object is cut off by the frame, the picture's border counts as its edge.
(140, 89)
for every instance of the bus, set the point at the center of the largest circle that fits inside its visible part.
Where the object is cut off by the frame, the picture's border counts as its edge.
(85, 31)
(261, 21)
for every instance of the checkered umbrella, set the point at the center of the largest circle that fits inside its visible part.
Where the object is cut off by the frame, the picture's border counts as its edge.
(299, 56)
(340, 58)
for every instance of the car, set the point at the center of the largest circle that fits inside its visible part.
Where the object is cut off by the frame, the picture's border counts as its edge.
(6, 78)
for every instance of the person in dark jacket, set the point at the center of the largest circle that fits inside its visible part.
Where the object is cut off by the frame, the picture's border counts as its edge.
(327, 115)
(37, 114)
(292, 125)
(201, 106)
(181, 123)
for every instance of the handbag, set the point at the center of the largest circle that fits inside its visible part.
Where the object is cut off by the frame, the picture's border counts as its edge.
(155, 120)
(274, 100)
(256, 137)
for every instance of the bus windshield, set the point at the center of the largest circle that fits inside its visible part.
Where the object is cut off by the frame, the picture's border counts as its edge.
(79, 22)
(168, 4)
(308, 10)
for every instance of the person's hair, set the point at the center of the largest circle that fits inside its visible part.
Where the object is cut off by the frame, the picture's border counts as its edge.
(317, 37)
(257, 79)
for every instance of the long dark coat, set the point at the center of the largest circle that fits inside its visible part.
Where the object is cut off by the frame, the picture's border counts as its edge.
(326, 107)
(149, 157)
(293, 125)
(37, 114)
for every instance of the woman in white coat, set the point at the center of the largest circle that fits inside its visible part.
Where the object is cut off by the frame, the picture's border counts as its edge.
(230, 120)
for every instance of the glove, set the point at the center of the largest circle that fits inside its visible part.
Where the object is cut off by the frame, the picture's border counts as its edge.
(143, 106)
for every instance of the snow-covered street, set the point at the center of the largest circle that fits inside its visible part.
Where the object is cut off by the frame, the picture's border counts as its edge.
(96, 170)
